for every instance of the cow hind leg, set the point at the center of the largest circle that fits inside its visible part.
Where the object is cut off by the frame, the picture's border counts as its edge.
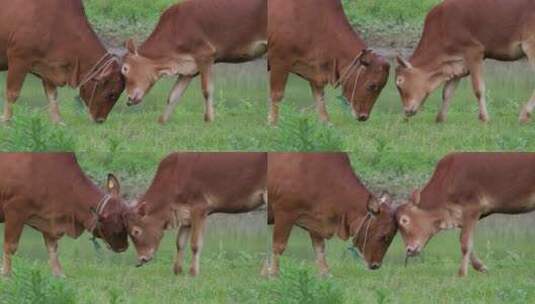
(197, 234)
(475, 66)
(15, 79)
(447, 96)
(52, 247)
(12, 231)
(318, 243)
(207, 83)
(278, 80)
(181, 244)
(525, 114)
(476, 263)
(53, 104)
(174, 98)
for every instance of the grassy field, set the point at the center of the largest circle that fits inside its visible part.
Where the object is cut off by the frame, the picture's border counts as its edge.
(233, 257)
(388, 153)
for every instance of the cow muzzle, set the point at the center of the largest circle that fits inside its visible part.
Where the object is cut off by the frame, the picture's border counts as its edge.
(363, 117)
(143, 260)
(374, 266)
(413, 250)
(132, 101)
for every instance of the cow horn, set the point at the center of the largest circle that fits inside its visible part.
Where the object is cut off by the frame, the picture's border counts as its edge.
(403, 63)
(415, 197)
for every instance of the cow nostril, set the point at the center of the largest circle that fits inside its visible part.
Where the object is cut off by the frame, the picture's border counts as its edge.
(100, 120)
(363, 117)
(375, 266)
(410, 113)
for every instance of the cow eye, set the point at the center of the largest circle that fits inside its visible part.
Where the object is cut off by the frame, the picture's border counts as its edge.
(373, 87)
(124, 70)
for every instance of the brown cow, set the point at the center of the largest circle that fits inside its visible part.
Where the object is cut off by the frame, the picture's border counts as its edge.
(313, 39)
(50, 193)
(186, 189)
(465, 188)
(458, 35)
(320, 193)
(189, 39)
(53, 40)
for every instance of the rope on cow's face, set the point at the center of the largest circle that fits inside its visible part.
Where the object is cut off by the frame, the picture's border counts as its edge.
(101, 205)
(102, 64)
(369, 217)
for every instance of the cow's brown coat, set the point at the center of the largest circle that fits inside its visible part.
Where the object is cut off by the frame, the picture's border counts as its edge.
(466, 187)
(320, 193)
(53, 40)
(313, 39)
(458, 35)
(50, 193)
(186, 189)
(189, 39)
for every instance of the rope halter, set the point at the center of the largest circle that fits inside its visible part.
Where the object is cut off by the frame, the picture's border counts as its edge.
(367, 219)
(98, 212)
(354, 66)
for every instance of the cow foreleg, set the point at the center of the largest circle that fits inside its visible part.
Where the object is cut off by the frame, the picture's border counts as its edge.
(207, 82)
(467, 243)
(447, 96)
(197, 234)
(15, 78)
(181, 244)
(278, 80)
(53, 104)
(319, 97)
(180, 87)
(52, 247)
(476, 263)
(478, 84)
(281, 233)
(318, 243)
(12, 231)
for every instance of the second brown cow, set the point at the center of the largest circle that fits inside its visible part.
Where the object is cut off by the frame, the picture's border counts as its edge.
(320, 193)
(186, 189)
(314, 39)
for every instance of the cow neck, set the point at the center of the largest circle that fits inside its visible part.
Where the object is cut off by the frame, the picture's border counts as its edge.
(86, 196)
(344, 55)
(86, 54)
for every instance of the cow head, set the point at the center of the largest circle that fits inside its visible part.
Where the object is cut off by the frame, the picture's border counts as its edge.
(414, 85)
(363, 86)
(373, 235)
(110, 222)
(417, 225)
(140, 73)
(102, 92)
(145, 230)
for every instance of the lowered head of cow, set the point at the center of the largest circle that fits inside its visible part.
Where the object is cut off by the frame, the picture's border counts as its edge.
(102, 92)
(141, 74)
(373, 235)
(109, 217)
(414, 85)
(418, 225)
(145, 230)
(362, 86)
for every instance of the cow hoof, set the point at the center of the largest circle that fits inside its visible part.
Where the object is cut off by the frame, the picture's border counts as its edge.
(524, 117)
(440, 119)
(484, 118)
(208, 117)
(59, 275)
(461, 273)
(162, 120)
(193, 272)
(481, 268)
(4, 120)
(177, 270)
(325, 275)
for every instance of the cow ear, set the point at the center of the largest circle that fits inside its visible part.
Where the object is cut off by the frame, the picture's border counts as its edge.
(374, 205)
(141, 209)
(113, 185)
(403, 63)
(131, 46)
(415, 197)
(343, 228)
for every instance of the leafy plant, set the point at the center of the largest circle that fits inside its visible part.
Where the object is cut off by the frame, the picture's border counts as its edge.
(29, 286)
(30, 133)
